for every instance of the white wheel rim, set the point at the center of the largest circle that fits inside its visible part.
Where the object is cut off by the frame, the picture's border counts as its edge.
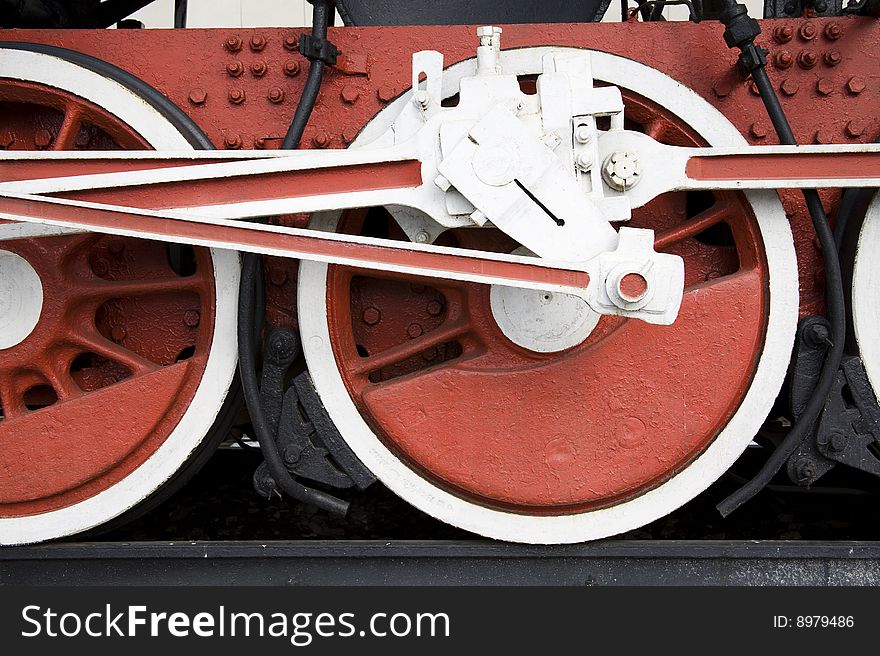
(222, 358)
(664, 498)
(865, 292)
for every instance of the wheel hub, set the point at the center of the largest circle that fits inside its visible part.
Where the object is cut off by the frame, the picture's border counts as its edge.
(21, 299)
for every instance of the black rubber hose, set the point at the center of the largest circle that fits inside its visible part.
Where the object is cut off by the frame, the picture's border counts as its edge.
(835, 305)
(247, 368)
(251, 306)
(321, 16)
(850, 202)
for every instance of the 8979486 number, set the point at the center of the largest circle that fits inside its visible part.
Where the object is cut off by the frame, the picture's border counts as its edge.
(824, 621)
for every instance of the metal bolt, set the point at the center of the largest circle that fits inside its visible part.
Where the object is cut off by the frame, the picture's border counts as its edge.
(824, 86)
(816, 335)
(822, 137)
(292, 455)
(758, 130)
(790, 8)
(783, 59)
(117, 247)
(118, 333)
(807, 59)
(42, 138)
(233, 44)
(321, 139)
(722, 88)
(805, 470)
(232, 141)
(855, 128)
(277, 275)
(236, 96)
(371, 316)
(349, 94)
(291, 68)
(192, 318)
(276, 95)
(789, 87)
(583, 134)
(349, 135)
(832, 58)
(414, 330)
(234, 69)
(783, 34)
(6, 139)
(833, 31)
(258, 42)
(621, 171)
(198, 96)
(258, 69)
(808, 31)
(434, 308)
(386, 93)
(422, 237)
(101, 267)
(855, 85)
(838, 441)
(291, 42)
(584, 160)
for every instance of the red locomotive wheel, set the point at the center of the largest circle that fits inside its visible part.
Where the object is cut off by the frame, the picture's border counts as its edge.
(108, 342)
(572, 443)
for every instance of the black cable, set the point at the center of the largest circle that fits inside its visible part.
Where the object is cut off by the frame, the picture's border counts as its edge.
(852, 199)
(252, 301)
(741, 31)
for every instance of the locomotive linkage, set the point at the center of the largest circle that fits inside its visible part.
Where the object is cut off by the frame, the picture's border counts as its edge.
(546, 294)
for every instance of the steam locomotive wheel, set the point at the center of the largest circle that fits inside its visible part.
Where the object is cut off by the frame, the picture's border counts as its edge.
(866, 281)
(116, 355)
(555, 445)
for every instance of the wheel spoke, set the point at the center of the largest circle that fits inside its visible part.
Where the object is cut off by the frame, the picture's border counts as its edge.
(445, 333)
(95, 342)
(693, 226)
(60, 379)
(655, 128)
(12, 403)
(70, 126)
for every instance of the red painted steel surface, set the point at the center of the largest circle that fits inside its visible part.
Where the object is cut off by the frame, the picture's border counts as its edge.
(825, 166)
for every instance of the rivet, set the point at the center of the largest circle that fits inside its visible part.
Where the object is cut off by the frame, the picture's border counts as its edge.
(833, 31)
(386, 93)
(260, 143)
(434, 308)
(783, 34)
(321, 140)
(758, 130)
(118, 333)
(349, 94)
(789, 87)
(101, 267)
(236, 96)
(349, 135)
(198, 96)
(291, 42)
(822, 137)
(808, 31)
(234, 69)
(807, 59)
(414, 330)
(722, 88)
(6, 139)
(258, 69)
(855, 85)
(783, 59)
(824, 86)
(832, 58)
(276, 95)
(291, 68)
(233, 44)
(258, 42)
(192, 318)
(371, 316)
(232, 141)
(855, 128)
